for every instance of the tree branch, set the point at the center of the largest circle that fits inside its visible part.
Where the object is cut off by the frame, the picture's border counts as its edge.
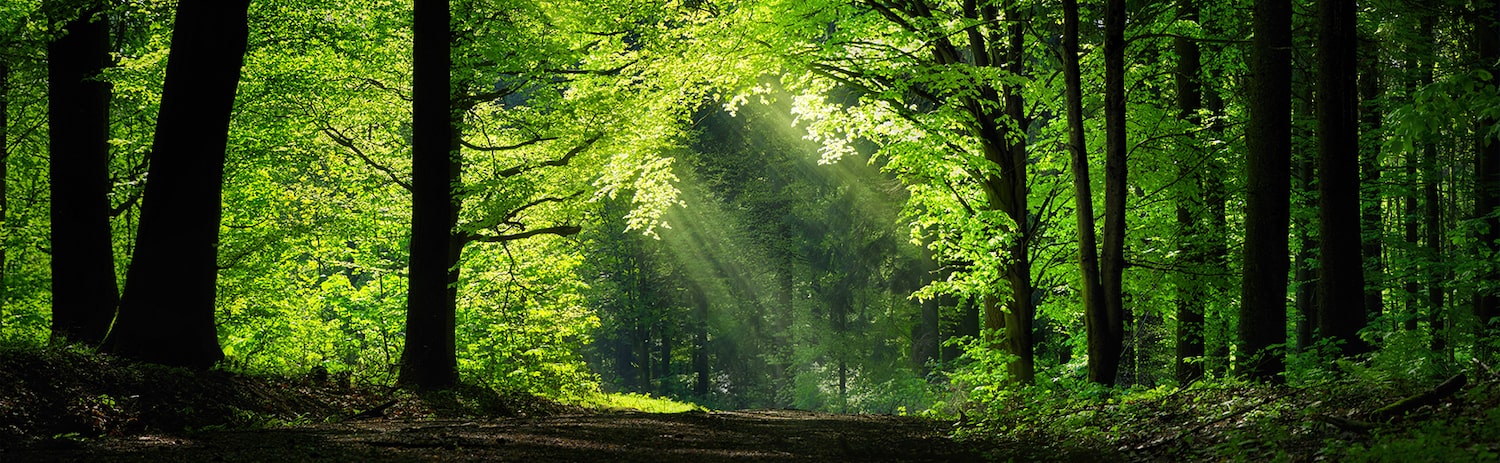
(559, 162)
(345, 141)
(560, 230)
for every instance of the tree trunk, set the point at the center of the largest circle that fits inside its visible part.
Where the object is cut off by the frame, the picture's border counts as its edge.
(1368, 133)
(1341, 282)
(1113, 254)
(1432, 213)
(1190, 297)
(1096, 314)
(4, 182)
(700, 342)
(1305, 291)
(1268, 139)
(167, 310)
(428, 361)
(84, 291)
(1487, 173)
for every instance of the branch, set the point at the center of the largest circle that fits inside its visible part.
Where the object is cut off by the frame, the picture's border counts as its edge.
(559, 162)
(560, 230)
(345, 141)
(506, 147)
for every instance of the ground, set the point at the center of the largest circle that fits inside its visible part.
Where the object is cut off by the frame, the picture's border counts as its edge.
(742, 436)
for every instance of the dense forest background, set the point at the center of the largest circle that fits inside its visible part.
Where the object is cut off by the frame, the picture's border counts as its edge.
(878, 205)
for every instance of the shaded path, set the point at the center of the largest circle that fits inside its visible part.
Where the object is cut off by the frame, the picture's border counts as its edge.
(757, 436)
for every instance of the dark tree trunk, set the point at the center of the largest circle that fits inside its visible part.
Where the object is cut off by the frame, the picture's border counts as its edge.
(1432, 213)
(1096, 314)
(700, 340)
(1268, 139)
(1190, 297)
(1341, 282)
(167, 310)
(1217, 237)
(84, 292)
(428, 361)
(1020, 313)
(1371, 217)
(1305, 291)
(1112, 265)
(1487, 171)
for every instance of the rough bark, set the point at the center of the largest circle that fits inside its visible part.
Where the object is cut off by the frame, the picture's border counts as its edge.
(84, 291)
(428, 361)
(167, 310)
(1268, 139)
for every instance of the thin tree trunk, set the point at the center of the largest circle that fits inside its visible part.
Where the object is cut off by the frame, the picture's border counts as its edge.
(1113, 253)
(1305, 291)
(428, 361)
(167, 310)
(1096, 314)
(1487, 173)
(1190, 298)
(4, 183)
(1268, 139)
(84, 292)
(1372, 218)
(1432, 213)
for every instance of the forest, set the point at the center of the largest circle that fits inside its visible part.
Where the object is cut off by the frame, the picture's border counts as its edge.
(1147, 230)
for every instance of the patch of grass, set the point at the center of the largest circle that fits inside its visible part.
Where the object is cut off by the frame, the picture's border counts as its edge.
(639, 402)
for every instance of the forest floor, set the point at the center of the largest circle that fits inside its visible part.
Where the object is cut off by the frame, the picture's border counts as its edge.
(68, 405)
(65, 405)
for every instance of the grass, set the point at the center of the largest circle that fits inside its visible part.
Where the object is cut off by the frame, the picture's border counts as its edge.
(638, 402)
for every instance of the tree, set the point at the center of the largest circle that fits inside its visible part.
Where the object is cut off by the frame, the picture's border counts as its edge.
(1262, 329)
(1487, 166)
(167, 310)
(1191, 296)
(84, 294)
(1096, 311)
(1112, 337)
(428, 361)
(1341, 282)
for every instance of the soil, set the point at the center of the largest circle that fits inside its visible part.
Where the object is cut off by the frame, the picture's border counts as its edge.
(65, 404)
(745, 436)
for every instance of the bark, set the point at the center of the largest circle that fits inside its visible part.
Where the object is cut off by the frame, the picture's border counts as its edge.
(167, 310)
(428, 361)
(1112, 265)
(1305, 296)
(1341, 282)
(1432, 214)
(1487, 170)
(1371, 217)
(1268, 139)
(84, 292)
(1020, 313)
(1190, 297)
(1096, 315)
(1217, 238)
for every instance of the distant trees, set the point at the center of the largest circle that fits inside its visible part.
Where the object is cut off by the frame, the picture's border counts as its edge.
(167, 310)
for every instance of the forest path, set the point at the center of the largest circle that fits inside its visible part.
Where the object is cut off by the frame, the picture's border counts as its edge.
(754, 436)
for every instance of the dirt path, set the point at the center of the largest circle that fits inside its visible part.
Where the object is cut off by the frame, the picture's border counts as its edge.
(767, 435)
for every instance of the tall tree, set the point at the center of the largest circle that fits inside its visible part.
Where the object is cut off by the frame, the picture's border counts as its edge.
(1113, 264)
(1190, 295)
(84, 294)
(1096, 312)
(428, 361)
(1368, 134)
(1341, 281)
(1487, 163)
(167, 310)
(1268, 140)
